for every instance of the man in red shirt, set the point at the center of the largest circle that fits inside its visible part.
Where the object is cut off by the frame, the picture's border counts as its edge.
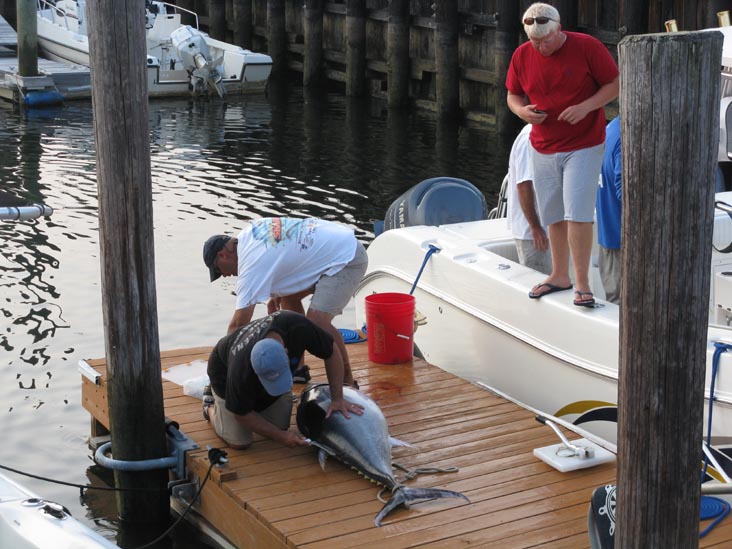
(559, 82)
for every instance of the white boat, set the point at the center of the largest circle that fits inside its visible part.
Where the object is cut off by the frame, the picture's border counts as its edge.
(477, 322)
(29, 522)
(181, 60)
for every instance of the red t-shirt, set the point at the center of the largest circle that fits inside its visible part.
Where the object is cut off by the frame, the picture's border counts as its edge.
(570, 75)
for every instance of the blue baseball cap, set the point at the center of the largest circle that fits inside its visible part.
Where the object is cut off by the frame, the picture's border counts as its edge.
(272, 366)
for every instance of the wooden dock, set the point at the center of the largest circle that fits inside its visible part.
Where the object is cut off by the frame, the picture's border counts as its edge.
(272, 496)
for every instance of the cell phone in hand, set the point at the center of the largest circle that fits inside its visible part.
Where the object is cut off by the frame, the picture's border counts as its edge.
(539, 111)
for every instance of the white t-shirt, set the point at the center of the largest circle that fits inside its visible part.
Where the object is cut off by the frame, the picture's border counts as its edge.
(520, 169)
(280, 256)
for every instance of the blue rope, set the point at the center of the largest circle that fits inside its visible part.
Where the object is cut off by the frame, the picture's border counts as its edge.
(432, 249)
(712, 507)
(350, 336)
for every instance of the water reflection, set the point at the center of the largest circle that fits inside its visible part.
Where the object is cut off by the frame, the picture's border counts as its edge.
(215, 164)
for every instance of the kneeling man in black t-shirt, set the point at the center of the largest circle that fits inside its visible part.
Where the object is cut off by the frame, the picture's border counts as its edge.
(251, 376)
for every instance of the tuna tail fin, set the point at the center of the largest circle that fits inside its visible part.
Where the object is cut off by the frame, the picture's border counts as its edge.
(405, 496)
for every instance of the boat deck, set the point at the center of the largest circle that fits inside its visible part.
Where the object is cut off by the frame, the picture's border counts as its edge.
(272, 496)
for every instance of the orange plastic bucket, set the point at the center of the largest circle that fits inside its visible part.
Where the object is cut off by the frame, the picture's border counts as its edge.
(390, 327)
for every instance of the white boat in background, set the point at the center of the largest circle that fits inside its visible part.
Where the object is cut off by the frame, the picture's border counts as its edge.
(476, 321)
(181, 60)
(29, 522)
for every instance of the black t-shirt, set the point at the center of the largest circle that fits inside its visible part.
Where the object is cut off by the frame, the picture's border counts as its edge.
(230, 369)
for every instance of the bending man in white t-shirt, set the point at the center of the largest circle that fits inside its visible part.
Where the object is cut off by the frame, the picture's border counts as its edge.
(530, 236)
(286, 259)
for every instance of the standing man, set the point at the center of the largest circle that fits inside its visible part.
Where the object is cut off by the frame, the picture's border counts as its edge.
(609, 212)
(251, 376)
(284, 259)
(559, 82)
(529, 235)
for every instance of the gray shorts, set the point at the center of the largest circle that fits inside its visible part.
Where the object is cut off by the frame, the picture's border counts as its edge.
(332, 293)
(228, 428)
(609, 262)
(531, 257)
(566, 184)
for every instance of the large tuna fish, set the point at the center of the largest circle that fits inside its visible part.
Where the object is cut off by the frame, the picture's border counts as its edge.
(362, 442)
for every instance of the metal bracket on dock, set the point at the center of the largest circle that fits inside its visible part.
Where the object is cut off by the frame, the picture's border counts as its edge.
(89, 373)
(178, 444)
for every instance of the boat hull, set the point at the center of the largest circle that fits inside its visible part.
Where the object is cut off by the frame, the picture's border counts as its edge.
(244, 71)
(480, 325)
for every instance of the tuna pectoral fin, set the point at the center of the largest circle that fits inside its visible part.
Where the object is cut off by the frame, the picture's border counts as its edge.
(323, 453)
(405, 496)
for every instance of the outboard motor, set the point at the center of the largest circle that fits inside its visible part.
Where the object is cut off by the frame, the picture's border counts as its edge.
(436, 201)
(196, 58)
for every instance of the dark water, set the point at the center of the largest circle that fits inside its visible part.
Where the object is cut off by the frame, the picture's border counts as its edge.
(215, 164)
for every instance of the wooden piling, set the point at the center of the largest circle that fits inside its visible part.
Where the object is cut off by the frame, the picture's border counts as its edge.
(313, 38)
(447, 65)
(506, 40)
(120, 107)
(397, 53)
(185, 17)
(243, 23)
(277, 36)
(567, 13)
(633, 16)
(217, 19)
(669, 104)
(27, 38)
(355, 47)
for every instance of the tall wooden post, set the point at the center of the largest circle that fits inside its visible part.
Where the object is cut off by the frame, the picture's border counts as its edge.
(120, 106)
(277, 36)
(447, 64)
(217, 19)
(506, 40)
(185, 16)
(27, 38)
(669, 104)
(313, 38)
(397, 53)
(567, 12)
(633, 16)
(355, 47)
(243, 23)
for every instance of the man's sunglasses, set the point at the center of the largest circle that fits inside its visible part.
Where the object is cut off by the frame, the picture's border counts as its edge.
(538, 20)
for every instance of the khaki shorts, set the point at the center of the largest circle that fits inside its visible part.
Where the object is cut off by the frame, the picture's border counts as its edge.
(332, 293)
(228, 428)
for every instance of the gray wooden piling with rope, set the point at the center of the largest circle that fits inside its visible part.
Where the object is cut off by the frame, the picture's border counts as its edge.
(669, 104)
(397, 53)
(355, 47)
(129, 303)
(27, 38)
(313, 39)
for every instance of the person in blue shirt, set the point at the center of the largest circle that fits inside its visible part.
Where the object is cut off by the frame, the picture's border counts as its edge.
(609, 213)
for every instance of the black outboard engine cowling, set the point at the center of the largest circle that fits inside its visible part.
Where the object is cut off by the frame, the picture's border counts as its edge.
(437, 201)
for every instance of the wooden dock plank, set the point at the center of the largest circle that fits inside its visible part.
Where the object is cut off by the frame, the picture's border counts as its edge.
(271, 496)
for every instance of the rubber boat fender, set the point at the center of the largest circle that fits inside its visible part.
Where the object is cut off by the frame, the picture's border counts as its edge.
(38, 98)
(437, 201)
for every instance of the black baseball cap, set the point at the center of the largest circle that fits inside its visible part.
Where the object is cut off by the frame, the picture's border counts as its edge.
(211, 248)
